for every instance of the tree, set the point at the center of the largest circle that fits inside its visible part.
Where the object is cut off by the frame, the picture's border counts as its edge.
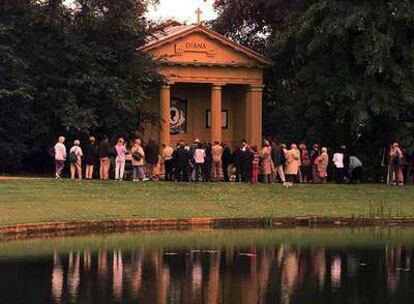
(342, 73)
(81, 70)
(16, 96)
(249, 22)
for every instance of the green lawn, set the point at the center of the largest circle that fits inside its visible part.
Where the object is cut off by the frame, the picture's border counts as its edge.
(46, 200)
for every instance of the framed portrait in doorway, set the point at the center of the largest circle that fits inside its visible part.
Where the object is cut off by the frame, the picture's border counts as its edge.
(178, 119)
(224, 119)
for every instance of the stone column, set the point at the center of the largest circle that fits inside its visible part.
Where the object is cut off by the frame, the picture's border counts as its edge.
(254, 97)
(165, 104)
(216, 109)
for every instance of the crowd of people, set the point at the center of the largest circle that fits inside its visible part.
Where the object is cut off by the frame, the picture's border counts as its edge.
(206, 162)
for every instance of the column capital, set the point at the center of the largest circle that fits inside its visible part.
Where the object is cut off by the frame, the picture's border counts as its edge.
(166, 86)
(256, 87)
(217, 86)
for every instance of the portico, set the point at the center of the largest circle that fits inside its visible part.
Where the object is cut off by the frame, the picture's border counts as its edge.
(214, 87)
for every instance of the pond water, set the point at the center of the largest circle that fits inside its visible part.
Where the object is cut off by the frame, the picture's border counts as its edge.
(301, 265)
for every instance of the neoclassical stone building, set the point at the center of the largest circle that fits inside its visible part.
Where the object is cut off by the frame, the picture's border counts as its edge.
(214, 89)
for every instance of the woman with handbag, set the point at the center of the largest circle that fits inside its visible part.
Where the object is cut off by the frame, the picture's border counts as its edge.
(75, 158)
(138, 156)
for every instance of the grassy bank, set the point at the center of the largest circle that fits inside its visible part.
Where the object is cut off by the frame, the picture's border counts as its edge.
(46, 200)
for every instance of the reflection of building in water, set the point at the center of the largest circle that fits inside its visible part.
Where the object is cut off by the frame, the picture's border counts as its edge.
(282, 274)
(57, 279)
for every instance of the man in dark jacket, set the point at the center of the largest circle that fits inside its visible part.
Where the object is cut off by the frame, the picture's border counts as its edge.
(180, 157)
(105, 153)
(207, 164)
(246, 163)
(226, 160)
(243, 161)
(314, 154)
(237, 161)
(151, 157)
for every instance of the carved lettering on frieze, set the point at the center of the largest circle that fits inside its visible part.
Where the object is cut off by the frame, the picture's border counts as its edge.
(194, 47)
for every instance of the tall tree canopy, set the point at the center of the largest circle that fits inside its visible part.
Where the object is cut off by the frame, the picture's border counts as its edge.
(343, 69)
(248, 22)
(69, 71)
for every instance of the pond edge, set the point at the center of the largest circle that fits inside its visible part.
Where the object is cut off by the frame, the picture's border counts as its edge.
(21, 231)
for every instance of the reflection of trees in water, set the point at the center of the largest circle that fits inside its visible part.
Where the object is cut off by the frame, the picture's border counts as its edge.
(283, 274)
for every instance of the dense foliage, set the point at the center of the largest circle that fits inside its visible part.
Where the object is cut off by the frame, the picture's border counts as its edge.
(343, 69)
(69, 71)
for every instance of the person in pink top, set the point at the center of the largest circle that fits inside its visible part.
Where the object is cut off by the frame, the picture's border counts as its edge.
(121, 151)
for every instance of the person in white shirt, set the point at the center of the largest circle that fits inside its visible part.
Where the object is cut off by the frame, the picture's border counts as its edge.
(60, 157)
(199, 159)
(75, 158)
(338, 160)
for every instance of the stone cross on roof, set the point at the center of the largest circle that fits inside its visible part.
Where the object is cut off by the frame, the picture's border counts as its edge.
(198, 12)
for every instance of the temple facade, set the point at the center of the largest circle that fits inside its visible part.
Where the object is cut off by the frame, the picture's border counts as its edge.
(214, 87)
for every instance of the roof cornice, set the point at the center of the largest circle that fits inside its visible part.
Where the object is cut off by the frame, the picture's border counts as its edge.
(213, 35)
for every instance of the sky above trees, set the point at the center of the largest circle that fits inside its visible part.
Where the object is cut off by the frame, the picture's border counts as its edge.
(182, 10)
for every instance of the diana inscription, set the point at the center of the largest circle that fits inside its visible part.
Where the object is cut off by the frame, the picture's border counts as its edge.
(196, 45)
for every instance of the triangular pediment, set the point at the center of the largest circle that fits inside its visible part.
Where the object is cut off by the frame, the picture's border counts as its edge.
(198, 45)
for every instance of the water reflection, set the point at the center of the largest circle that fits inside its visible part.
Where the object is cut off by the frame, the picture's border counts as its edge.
(281, 273)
